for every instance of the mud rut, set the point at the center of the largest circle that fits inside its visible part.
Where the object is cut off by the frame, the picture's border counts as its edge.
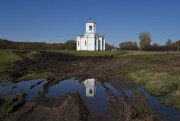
(71, 107)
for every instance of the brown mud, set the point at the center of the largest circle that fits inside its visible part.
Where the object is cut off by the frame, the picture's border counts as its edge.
(71, 106)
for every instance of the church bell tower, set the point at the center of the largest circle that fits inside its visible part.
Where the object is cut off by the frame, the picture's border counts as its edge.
(90, 27)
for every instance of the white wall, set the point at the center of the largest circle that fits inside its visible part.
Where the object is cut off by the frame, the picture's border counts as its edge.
(90, 43)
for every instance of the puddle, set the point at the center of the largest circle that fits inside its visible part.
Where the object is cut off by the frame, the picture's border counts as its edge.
(92, 92)
(113, 90)
(160, 109)
(9, 89)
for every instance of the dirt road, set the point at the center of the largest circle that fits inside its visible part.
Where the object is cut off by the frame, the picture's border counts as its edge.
(71, 106)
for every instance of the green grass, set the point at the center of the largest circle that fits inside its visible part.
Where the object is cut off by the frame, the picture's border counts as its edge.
(32, 55)
(7, 59)
(43, 75)
(158, 73)
(92, 53)
(9, 105)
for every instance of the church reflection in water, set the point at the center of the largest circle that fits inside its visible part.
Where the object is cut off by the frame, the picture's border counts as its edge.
(90, 85)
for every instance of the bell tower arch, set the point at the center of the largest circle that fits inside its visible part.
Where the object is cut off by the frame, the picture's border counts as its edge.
(90, 26)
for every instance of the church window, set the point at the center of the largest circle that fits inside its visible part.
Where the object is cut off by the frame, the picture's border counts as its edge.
(85, 43)
(90, 28)
(90, 91)
(78, 43)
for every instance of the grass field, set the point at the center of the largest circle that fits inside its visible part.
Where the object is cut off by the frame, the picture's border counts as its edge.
(114, 53)
(91, 53)
(7, 59)
(158, 73)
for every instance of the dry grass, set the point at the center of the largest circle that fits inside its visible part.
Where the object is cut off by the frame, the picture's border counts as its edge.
(158, 73)
(43, 75)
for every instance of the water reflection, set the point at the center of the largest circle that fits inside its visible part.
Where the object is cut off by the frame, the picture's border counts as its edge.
(90, 85)
(92, 92)
(88, 88)
(31, 88)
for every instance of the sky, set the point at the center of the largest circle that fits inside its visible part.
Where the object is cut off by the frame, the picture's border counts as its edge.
(55, 21)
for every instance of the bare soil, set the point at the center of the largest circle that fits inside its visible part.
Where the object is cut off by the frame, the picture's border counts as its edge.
(71, 106)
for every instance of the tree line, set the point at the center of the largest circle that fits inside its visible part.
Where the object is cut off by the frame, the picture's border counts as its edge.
(68, 45)
(7, 44)
(145, 44)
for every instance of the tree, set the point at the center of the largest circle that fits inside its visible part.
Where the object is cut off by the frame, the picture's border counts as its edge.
(145, 40)
(169, 43)
(70, 45)
(108, 46)
(128, 45)
(177, 45)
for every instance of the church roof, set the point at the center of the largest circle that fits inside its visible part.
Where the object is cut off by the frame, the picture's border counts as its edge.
(80, 35)
(90, 21)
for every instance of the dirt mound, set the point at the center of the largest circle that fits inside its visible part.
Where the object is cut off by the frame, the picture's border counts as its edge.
(69, 107)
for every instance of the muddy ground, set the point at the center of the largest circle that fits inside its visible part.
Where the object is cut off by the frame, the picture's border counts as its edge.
(71, 106)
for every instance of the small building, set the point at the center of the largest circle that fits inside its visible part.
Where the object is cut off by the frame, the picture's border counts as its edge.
(90, 85)
(90, 41)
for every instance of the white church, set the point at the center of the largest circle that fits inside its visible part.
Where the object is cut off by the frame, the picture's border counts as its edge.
(90, 41)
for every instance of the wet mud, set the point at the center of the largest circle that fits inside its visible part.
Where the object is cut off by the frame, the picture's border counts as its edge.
(71, 106)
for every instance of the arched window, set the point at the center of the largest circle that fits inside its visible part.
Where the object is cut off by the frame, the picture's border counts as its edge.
(85, 43)
(78, 43)
(90, 91)
(90, 28)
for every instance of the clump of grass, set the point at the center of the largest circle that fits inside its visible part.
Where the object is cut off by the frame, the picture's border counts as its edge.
(33, 54)
(176, 99)
(165, 101)
(43, 75)
(13, 86)
(10, 105)
(7, 60)
(156, 83)
(173, 101)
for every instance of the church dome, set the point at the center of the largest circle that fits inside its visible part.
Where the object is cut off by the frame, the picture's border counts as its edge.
(90, 21)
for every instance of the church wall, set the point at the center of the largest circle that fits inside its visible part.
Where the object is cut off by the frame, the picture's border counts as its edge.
(91, 44)
(78, 43)
(85, 43)
(104, 44)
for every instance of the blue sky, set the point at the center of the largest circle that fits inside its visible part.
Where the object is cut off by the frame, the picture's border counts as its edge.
(60, 20)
